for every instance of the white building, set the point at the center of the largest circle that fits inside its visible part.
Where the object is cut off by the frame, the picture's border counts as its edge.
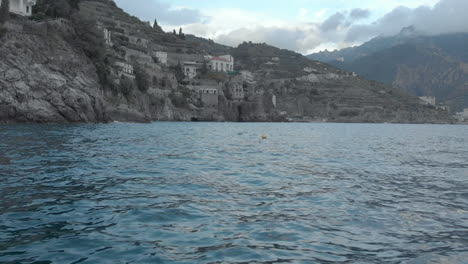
(107, 36)
(223, 63)
(21, 7)
(162, 57)
(190, 69)
(428, 100)
(462, 116)
(237, 93)
(125, 69)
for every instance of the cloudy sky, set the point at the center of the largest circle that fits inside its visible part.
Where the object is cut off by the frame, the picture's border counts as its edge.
(305, 26)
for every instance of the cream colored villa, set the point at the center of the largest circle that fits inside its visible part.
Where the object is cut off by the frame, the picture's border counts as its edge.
(221, 64)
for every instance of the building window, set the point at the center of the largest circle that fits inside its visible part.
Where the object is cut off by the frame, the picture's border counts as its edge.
(27, 9)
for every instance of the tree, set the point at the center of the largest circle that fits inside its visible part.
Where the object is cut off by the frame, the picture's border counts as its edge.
(204, 69)
(141, 77)
(181, 34)
(90, 40)
(179, 72)
(56, 8)
(155, 24)
(126, 85)
(5, 11)
(174, 32)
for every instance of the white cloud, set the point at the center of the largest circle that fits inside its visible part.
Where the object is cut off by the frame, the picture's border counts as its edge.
(303, 14)
(310, 29)
(149, 10)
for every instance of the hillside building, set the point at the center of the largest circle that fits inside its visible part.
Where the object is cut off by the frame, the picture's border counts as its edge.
(21, 7)
(237, 93)
(137, 55)
(125, 69)
(209, 97)
(190, 69)
(462, 116)
(223, 63)
(107, 37)
(162, 57)
(139, 41)
(428, 100)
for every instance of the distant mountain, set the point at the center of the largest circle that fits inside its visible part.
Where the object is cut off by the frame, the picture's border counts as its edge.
(374, 45)
(421, 65)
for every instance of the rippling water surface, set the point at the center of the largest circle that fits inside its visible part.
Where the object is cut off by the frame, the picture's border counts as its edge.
(217, 193)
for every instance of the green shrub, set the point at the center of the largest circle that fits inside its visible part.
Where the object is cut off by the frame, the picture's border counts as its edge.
(3, 31)
(126, 85)
(178, 100)
(4, 12)
(217, 76)
(56, 8)
(141, 77)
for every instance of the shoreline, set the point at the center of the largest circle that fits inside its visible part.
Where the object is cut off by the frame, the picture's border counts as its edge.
(247, 122)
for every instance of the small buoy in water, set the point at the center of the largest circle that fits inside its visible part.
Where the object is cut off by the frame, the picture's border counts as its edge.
(264, 137)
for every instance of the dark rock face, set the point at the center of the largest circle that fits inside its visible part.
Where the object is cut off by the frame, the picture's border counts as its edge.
(43, 79)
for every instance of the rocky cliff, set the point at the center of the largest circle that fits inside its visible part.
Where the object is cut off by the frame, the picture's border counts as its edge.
(44, 79)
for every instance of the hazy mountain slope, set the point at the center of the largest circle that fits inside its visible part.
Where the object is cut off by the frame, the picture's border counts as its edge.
(418, 69)
(336, 57)
(421, 65)
(353, 53)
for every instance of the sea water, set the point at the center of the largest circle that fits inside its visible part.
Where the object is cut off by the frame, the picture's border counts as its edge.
(219, 193)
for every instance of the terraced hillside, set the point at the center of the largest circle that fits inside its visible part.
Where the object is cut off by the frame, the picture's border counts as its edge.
(311, 90)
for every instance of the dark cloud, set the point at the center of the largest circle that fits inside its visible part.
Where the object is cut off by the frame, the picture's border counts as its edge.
(154, 9)
(447, 16)
(359, 13)
(343, 19)
(333, 22)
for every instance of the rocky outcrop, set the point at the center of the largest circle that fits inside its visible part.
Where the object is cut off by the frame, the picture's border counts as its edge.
(44, 79)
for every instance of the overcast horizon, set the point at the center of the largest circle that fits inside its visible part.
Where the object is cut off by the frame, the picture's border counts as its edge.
(305, 26)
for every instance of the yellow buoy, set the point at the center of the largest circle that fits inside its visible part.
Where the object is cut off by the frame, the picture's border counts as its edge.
(264, 137)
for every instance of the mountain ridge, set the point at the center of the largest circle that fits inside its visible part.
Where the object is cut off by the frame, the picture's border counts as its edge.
(419, 64)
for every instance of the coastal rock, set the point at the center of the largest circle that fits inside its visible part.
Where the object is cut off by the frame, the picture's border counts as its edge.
(44, 80)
